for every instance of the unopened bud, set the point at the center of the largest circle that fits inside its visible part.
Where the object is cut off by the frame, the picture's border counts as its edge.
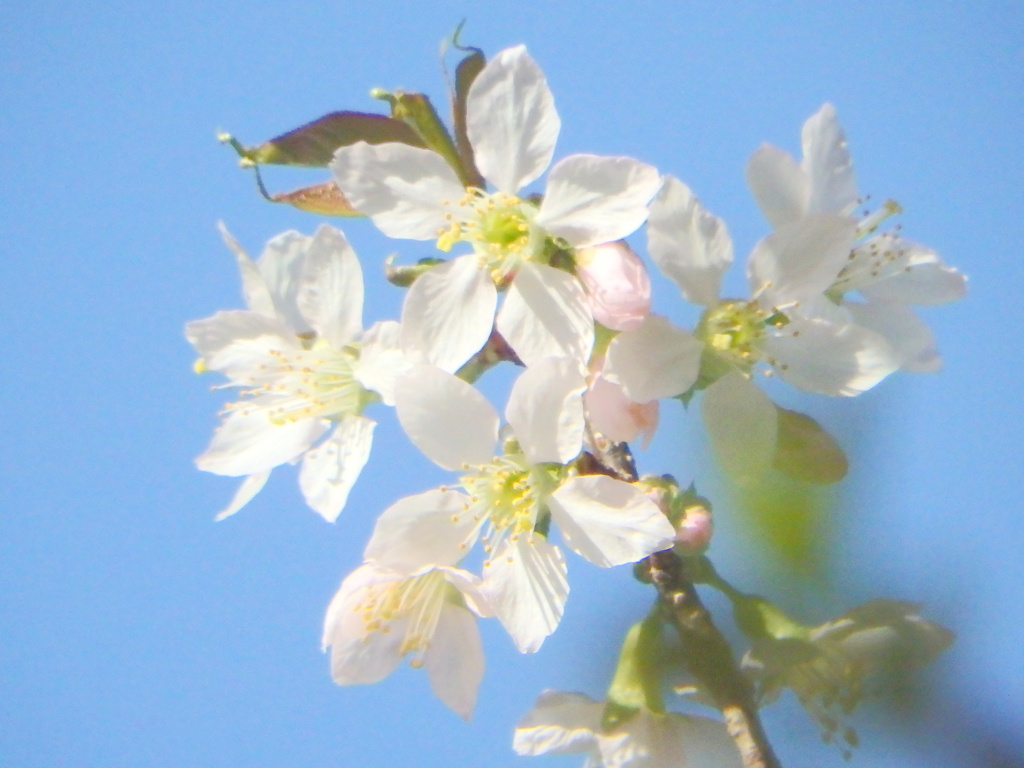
(617, 284)
(693, 534)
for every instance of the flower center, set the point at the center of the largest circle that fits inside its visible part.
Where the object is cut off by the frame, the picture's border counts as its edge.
(498, 226)
(507, 497)
(736, 330)
(415, 602)
(307, 383)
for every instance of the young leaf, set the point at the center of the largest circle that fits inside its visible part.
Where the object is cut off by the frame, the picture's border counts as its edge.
(324, 199)
(806, 451)
(314, 144)
(465, 74)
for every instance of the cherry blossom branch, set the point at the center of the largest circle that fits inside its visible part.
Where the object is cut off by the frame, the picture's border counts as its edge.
(708, 654)
(709, 659)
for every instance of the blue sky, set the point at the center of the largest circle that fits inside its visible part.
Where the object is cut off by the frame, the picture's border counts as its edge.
(136, 632)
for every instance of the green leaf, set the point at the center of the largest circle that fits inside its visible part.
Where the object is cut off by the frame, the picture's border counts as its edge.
(314, 144)
(637, 681)
(806, 451)
(416, 111)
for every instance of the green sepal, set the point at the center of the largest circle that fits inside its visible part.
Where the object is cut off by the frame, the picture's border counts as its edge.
(712, 367)
(806, 451)
(405, 275)
(637, 681)
(416, 111)
(758, 618)
(315, 143)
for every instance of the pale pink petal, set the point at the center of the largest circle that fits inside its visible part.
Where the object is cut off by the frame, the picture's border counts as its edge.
(608, 521)
(330, 290)
(247, 441)
(545, 410)
(448, 313)
(545, 314)
(742, 426)
(330, 469)
(828, 165)
(690, 246)
(525, 582)
(511, 120)
(246, 492)
(779, 185)
(446, 418)
(591, 200)
(655, 360)
(559, 723)
(405, 190)
(830, 358)
(381, 360)
(455, 660)
(617, 284)
(254, 288)
(617, 417)
(800, 260)
(427, 529)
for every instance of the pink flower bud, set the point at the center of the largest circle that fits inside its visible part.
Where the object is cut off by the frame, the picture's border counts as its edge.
(617, 284)
(615, 416)
(694, 532)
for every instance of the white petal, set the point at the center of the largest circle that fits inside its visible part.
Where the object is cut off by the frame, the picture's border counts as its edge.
(908, 336)
(356, 656)
(742, 426)
(545, 410)
(828, 165)
(559, 723)
(246, 492)
(235, 342)
(829, 358)
(455, 660)
(656, 360)
(919, 277)
(526, 585)
(331, 468)
(381, 360)
(423, 530)
(779, 185)
(405, 190)
(446, 418)
(448, 313)
(546, 314)
(247, 442)
(591, 200)
(281, 265)
(330, 292)
(254, 289)
(800, 260)
(511, 120)
(689, 245)
(608, 521)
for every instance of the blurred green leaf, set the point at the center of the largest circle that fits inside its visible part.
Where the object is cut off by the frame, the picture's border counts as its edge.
(465, 74)
(314, 144)
(806, 451)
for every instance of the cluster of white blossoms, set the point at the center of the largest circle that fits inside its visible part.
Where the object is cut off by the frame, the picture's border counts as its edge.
(828, 311)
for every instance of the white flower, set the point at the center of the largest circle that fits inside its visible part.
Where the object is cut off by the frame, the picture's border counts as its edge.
(381, 614)
(306, 368)
(887, 270)
(563, 723)
(412, 193)
(511, 500)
